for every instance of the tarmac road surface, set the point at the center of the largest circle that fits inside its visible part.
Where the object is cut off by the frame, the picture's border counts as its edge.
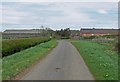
(63, 63)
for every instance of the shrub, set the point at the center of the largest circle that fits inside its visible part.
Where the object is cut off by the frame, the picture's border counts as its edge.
(117, 47)
(89, 37)
(12, 46)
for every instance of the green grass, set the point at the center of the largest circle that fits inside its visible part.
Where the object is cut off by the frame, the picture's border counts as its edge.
(0, 69)
(0, 57)
(101, 59)
(14, 64)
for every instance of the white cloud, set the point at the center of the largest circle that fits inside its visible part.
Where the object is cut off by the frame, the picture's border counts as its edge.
(69, 13)
(71, 16)
(12, 16)
(0, 14)
(60, 0)
(59, 13)
(101, 11)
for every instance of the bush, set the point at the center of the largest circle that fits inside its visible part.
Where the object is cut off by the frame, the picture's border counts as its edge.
(117, 47)
(109, 36)
(89, 37)
(12, 46)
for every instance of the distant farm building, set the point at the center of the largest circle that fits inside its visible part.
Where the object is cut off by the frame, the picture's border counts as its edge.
(98, 32)
(24, 33)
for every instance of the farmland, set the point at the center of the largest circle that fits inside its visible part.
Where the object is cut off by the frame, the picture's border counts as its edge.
(100, 58)
(12, 46)
(14, 64)
(99, 54)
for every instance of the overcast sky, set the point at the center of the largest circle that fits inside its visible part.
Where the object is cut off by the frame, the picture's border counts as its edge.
(57, 15)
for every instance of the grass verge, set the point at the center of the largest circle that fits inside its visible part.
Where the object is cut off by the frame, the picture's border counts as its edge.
(101, 60)
(0, 69)
(14, 64)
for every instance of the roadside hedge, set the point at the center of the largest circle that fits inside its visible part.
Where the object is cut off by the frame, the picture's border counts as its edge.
(12, 46)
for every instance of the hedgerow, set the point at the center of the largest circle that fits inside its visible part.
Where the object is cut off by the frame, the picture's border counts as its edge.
(12, 46)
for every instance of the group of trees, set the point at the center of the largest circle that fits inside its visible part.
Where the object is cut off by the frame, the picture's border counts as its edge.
(63, 33)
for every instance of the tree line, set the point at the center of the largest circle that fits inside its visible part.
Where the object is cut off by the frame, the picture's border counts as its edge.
(63, 33)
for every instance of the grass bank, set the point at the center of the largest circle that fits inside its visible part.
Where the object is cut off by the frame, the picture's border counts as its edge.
(101, 59)
(14, 64)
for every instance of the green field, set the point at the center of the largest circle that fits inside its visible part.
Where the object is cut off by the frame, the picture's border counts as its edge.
(100, 58)
(14, 64)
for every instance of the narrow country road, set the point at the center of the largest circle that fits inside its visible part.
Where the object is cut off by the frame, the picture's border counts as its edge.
(63, 63)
